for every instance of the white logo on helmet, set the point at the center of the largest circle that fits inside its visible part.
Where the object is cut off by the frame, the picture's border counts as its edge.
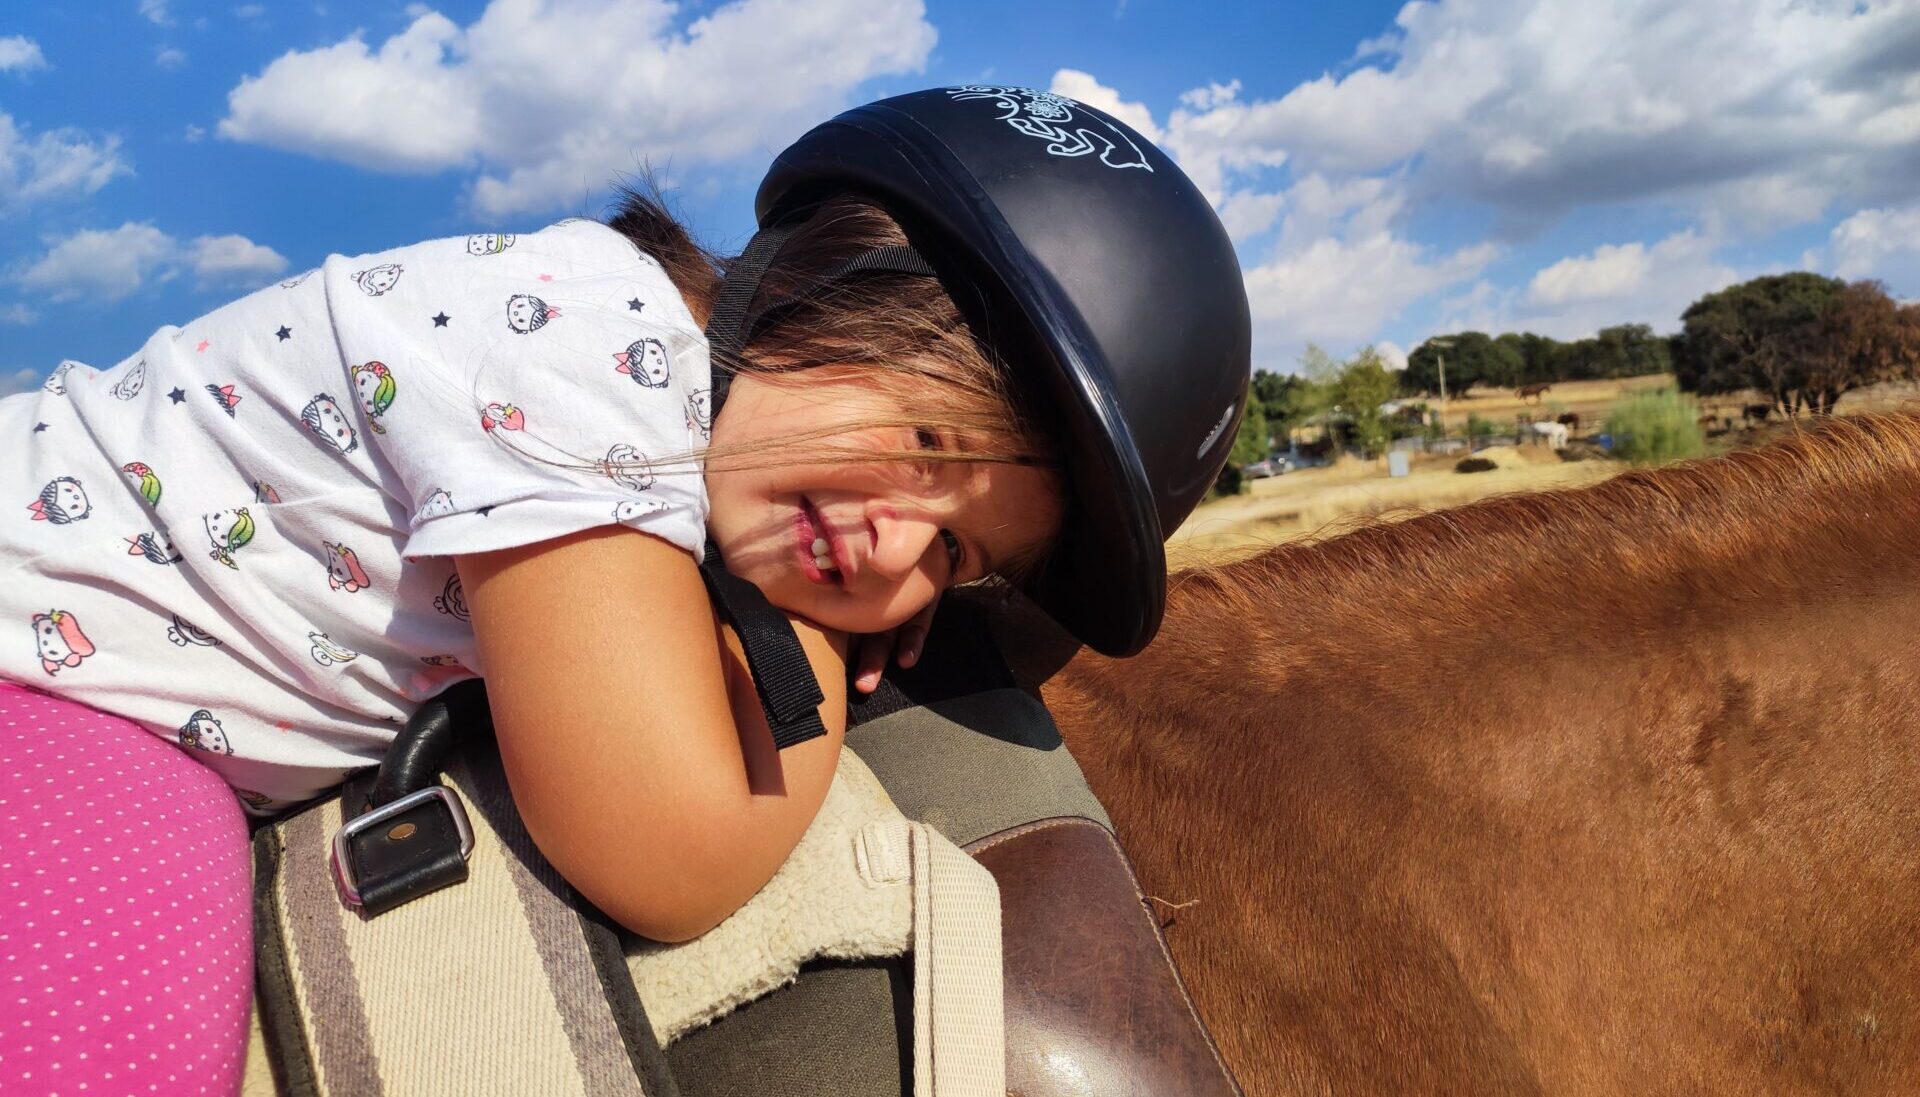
(1214, 434)
(1060, 122)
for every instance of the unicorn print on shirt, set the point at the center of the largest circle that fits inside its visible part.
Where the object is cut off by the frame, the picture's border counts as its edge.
(627, 467)
(700, 412)
(637, 508)
(223, 396)
(183, 632)
(374, 382)
(327, 653)
(646, 362)
(323, 416)
(144, 481)
(56, 381)
(343, 569)
(128, 387)
(155, 546)
(60, 502)
(452, 599)
(527, 313)
(203, 732)
(438, 505)
(375, 281)
(489, 243)
(230, 531)
(62, 643)
(504, 416)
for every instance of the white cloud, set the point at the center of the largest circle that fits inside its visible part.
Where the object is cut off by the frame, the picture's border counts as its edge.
(233, 258)
(1763, 111)
(111, 264)
(1631, 283)
(1075, 84)
(252, 13)
(194, 134)
(20, 380)
(156, 11)
(1876, 243)
(18, 314)
(1393, 354)
(55, 162)
(107, 265)
(170, 58)
(20, 54)
(548, 101)
(1341, 292)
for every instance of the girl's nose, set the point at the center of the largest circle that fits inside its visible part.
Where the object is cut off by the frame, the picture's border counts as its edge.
(901, 542)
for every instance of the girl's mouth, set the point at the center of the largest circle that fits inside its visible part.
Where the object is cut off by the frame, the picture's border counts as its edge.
(812, 547)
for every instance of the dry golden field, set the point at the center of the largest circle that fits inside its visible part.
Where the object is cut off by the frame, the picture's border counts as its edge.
(1322, 502)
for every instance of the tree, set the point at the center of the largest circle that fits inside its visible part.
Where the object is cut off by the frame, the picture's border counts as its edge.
(1802, 339)
(1250, 444)
(1760, 334)
(1362, 385)
(1473, 358)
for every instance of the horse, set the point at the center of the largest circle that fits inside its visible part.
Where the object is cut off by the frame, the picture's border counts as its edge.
(1553, 434)
(1532, 392)
(1755, 413)
(1382, 871)
(1570, 420)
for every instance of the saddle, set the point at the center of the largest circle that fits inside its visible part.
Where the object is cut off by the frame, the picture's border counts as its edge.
(1091, 1001)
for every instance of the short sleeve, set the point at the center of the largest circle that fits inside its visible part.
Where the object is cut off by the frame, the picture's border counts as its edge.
(520, 388)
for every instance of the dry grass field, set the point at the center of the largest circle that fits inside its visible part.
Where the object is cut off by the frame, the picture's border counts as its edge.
(1323, 502)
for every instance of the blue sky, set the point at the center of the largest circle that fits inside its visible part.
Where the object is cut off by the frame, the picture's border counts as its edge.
(1388, 171)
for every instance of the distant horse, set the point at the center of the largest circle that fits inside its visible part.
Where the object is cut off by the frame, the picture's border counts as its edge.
(1553, 434)
(1695, 874)
(1755, 413)
(1532, 392)
(1570, 420)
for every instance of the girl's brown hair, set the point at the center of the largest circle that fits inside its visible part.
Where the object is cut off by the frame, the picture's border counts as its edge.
(903, 333)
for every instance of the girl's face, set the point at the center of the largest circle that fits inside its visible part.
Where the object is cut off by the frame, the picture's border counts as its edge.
(897, 533)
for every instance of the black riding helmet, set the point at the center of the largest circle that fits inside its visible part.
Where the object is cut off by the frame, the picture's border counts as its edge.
(1084, 259)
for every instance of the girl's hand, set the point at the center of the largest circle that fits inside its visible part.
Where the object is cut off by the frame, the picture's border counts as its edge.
(907, 642)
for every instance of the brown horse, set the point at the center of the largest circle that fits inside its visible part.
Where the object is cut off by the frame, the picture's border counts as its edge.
(1605, 791)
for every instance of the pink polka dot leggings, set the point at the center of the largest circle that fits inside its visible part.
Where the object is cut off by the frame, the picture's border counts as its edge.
(126, 934)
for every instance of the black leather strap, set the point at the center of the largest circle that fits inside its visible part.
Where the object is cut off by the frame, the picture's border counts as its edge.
(789, 693)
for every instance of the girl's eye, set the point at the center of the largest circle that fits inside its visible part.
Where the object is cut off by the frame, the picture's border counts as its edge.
(955, 557)
(927, 437)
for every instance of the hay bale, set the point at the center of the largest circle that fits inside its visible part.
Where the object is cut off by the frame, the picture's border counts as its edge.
(1493, 457)
(1474, 464)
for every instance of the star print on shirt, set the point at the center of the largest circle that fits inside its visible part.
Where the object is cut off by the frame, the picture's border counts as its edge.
(177, 395)
(202, 348)
(285, 333)
(635, 304)
(482, 511)
(440, 321)
(38, 427)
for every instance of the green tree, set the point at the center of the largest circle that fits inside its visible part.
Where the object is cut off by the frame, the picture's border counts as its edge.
(1473, 358)
(1250, 444)
(1761, 334)
(1360, 387)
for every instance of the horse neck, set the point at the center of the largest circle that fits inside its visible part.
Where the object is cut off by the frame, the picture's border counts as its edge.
(1770, 562)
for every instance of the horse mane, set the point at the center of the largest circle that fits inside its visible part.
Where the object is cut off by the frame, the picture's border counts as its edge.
(1818, 514)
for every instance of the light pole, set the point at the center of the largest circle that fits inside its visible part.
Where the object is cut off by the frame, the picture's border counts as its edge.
(1440, 345)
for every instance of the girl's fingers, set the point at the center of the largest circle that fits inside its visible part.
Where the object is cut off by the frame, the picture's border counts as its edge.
(913, 639)
(872, 661)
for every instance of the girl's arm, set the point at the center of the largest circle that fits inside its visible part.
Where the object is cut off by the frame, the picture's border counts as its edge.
(630, 730)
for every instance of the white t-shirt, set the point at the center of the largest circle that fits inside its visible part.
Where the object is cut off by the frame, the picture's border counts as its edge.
(240, 535)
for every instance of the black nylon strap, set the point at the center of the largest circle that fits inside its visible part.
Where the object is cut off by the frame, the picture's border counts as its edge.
(783, 677)
(728, 325)
(896, 259)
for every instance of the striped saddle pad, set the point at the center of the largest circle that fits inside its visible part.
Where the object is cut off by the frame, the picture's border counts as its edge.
(509, 984)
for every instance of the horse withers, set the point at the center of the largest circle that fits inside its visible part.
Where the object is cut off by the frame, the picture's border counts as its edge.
(1600, 791)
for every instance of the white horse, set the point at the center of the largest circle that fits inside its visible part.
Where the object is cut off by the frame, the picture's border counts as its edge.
(1553, 434)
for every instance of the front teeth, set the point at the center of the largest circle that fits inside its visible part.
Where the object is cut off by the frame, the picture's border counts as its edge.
(821, 557)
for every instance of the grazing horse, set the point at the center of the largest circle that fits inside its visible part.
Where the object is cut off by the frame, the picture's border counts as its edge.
(1532, 392)
(1413, 835)
(1570, 420)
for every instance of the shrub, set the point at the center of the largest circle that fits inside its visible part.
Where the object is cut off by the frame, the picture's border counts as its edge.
(1652, 428)
(1478, 430)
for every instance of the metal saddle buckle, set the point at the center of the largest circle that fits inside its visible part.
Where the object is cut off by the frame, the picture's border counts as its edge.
(343, 873)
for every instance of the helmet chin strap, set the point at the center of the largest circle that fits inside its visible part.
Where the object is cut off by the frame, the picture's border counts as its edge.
(782, 676)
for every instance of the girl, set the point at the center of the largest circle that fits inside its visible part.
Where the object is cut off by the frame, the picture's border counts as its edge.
(983, 332)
